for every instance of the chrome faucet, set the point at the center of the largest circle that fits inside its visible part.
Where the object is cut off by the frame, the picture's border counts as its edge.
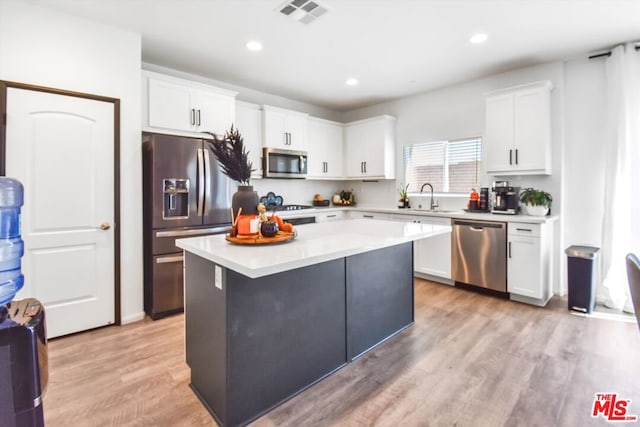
(432, 205)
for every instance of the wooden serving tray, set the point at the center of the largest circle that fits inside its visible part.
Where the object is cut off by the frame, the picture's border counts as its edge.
(256, 239)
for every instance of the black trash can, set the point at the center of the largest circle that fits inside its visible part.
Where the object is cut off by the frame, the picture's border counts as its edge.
(582, 272)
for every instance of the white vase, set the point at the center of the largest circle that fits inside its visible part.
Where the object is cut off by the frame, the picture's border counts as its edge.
(536, 210)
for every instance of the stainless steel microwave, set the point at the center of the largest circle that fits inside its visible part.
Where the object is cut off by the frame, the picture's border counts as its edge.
(277, 163)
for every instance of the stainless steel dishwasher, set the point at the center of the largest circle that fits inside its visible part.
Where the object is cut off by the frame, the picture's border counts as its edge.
(479, 254)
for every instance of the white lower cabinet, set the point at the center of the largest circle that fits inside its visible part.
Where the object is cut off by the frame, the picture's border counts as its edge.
(368, 215)
(529, 255)
(330, 216)
(529, 262)
(432, 256)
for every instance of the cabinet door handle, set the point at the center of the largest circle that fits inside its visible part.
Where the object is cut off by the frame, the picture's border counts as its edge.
(193, 116)
(367, 216)
(365, 167)
(198, 117)
(524, 229)
(510, 157)
(509, 249)
(516, 156)
(331, 216)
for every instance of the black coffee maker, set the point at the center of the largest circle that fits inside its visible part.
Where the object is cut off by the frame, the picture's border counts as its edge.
(506, 198)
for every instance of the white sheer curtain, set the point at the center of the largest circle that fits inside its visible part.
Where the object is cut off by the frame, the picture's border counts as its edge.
(622, 176)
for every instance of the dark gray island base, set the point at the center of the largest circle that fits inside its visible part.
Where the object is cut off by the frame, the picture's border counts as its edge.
(251, 344)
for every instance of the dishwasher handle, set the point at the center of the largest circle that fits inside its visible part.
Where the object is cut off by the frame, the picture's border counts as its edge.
(477, 225)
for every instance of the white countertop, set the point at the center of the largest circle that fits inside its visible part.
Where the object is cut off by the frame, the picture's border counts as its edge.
(315, 243)
(458, 214)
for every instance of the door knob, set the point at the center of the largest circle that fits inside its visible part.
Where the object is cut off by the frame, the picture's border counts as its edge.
(105, 226)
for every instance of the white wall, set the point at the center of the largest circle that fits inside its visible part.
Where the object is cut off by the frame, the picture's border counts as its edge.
(457, 112)
(300, 191)
(585, 106)
(46, 48)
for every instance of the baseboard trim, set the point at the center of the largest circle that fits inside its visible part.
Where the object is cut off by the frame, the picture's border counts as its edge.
(135, 317)
(540, 302)
(434, 278)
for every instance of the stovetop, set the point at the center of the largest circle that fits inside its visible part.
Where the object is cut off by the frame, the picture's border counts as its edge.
(291, 207)
(273, 202)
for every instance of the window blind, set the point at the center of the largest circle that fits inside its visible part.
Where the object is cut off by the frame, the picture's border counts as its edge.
(450, 166)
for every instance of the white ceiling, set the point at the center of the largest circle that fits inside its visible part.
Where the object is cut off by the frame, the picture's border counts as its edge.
(394, 48)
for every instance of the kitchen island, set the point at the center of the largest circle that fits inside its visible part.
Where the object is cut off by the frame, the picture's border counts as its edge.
(263, 323)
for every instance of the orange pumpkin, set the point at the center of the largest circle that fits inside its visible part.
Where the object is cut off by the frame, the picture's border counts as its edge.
(474, 195)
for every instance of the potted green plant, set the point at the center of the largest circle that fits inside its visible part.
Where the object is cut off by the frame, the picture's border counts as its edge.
(234, 162)
(404, 196)
(537, 202)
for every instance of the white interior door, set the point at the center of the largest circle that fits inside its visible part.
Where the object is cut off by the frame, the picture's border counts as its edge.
(61, 149)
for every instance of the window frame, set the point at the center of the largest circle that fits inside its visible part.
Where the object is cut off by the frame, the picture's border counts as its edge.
(446, 166)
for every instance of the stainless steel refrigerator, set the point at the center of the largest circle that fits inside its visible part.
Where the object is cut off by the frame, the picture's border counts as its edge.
(185, 194)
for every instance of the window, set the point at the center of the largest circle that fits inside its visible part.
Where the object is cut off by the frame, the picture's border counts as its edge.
(450, 166)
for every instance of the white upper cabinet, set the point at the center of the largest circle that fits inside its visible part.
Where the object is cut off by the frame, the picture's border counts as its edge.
(215, 112)
(370, 148)
(326, 150)
(249, 124)
(517, 137)
(183, 107)
(284, 129)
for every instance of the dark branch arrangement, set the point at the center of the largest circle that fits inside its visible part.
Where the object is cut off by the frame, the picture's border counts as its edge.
(232, 155)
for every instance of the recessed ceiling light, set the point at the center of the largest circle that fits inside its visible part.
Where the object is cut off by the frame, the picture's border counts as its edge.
(254, 45)
(352, 82)
(478, 38)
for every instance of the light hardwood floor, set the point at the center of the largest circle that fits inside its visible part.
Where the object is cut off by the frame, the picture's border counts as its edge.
(469, 360)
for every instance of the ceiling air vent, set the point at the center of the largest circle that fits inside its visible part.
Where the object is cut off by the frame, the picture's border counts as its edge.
(305, 11)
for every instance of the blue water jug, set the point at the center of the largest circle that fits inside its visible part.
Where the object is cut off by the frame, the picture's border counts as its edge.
(11, 245)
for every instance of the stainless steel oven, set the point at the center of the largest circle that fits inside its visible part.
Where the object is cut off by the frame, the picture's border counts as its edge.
(277, 163)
